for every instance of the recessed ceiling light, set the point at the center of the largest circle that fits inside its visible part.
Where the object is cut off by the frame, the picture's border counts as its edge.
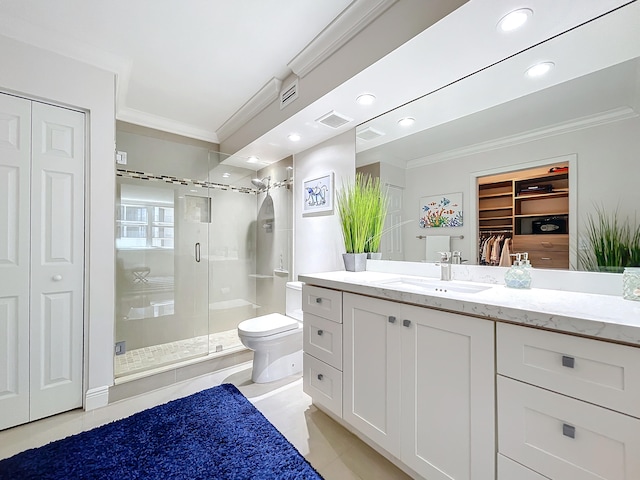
(226, 175)
(406, 121)
(294, 137)
(253, 159)
(539, 69)
(366, 99)
(514, 20)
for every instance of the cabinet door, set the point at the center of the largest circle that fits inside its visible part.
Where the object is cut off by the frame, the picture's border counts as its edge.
(371, 368)
(448, 387)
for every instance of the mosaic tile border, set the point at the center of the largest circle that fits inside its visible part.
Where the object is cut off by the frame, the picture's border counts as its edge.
(197, 183)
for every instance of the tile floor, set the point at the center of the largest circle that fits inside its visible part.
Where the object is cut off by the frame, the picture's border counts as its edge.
(332, 450)
(154, 356)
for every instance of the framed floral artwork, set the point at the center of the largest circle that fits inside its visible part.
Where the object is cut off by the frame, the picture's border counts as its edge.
(317, 194)
(441, 211)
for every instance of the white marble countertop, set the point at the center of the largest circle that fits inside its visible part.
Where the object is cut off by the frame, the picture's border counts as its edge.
(600, 316)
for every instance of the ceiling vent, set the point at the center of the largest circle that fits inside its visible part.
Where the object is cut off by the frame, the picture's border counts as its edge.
(334, 119)
(369, 134)
(288, 94)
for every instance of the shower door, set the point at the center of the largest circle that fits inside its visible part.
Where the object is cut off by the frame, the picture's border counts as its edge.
(162, 285)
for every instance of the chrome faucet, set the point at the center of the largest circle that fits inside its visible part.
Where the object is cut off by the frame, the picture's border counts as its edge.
(445, 266)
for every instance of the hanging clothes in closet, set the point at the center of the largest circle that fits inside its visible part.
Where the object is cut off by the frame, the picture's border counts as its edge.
(495, 249)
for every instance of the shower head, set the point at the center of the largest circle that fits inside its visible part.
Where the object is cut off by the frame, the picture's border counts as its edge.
(261, 183)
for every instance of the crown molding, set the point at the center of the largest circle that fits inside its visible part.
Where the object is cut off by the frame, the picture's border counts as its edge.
(347, 25)
(265, 96)
(610, 116)
(144, 119)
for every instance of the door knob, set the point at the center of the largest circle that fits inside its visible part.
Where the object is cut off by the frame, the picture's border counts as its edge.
(56, 278)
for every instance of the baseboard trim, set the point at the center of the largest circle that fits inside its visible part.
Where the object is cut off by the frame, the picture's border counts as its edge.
(96, 398)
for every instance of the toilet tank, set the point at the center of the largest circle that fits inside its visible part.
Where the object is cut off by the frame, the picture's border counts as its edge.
(293, 300)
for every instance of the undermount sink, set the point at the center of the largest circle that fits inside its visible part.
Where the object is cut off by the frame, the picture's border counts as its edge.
(439, 286)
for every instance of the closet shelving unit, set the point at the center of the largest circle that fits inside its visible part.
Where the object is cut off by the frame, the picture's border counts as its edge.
(507, 204)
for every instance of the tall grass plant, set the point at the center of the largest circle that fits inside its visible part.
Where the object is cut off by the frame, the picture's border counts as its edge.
(362, 208)
(613, 243)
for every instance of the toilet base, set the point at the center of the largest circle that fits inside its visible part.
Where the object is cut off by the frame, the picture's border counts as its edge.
(267, 370)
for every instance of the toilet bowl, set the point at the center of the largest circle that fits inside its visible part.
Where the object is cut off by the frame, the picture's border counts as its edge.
(276, 339)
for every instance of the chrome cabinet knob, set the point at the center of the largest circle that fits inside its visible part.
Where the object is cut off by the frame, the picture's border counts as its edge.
(56, 278)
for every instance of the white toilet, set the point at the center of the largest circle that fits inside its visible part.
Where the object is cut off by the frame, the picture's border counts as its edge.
(276, 339)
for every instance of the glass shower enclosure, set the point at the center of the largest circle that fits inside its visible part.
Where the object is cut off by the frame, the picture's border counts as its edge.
(185, 253)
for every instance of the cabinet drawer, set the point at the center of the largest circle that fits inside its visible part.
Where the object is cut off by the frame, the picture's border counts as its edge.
(598, 372)
(322, 302)
(543, 242)
(510, 470)
(323, 384)
(548, 259)
(323, 339)
(564, 438)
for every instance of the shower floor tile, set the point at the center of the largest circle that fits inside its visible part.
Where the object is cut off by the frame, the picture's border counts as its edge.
(154, 356)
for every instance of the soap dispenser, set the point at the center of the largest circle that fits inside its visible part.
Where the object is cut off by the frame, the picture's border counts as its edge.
(519, 274)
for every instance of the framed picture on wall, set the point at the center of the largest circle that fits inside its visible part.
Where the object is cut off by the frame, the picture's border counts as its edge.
(317, 195)
(441, 211)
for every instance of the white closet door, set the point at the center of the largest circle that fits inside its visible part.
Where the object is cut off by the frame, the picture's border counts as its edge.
(57, 259)
(15, 155)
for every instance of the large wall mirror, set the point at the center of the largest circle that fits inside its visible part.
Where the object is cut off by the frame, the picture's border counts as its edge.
(586, 111)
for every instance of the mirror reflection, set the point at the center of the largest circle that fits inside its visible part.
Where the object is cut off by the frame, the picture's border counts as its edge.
(500, 124)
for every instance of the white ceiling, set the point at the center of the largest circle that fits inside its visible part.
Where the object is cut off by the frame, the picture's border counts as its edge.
(183, 66)
(187, 67)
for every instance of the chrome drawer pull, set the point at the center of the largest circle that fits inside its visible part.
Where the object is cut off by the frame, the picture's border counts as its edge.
(392, 319)
(545, 258)
(568, 431)
(568, 362)
(320, 376)
(406, 323)
(318, 300)
(320, 332)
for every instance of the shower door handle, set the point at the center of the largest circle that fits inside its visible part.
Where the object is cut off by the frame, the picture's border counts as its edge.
(197, 251)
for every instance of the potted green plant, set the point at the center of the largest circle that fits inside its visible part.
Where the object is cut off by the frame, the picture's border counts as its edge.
(378, 202)
(362, 209)
(612, 244)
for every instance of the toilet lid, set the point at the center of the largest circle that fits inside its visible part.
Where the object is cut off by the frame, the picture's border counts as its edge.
(267, 325)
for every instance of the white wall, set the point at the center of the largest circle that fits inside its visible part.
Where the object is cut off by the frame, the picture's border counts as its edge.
(318, 245)
(41, 75)
(608, 168)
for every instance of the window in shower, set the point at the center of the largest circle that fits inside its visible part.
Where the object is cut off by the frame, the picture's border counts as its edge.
(144, 226)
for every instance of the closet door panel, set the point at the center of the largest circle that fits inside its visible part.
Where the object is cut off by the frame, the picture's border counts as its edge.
(57, 260)
(15, 155)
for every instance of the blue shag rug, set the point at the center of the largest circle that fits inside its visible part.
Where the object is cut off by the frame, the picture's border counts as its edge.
(213, 434)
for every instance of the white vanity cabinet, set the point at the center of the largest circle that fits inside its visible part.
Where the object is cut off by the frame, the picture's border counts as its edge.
(568, 406)
(322, 346)
(420, 383)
